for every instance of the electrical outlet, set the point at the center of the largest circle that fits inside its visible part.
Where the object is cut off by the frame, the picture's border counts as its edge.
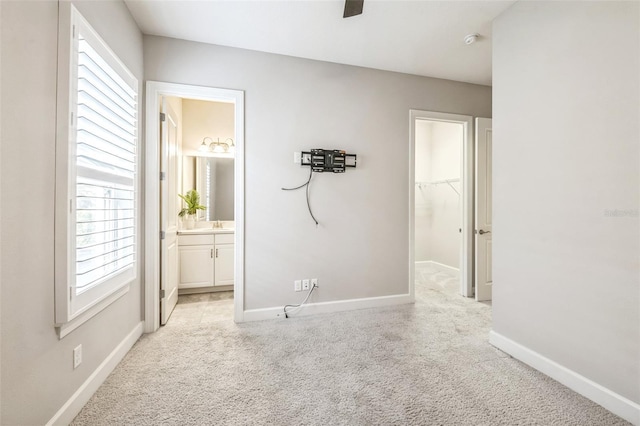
(305, 284)
(297, 285)
(306, 158)
(77, 356)
(314, 282)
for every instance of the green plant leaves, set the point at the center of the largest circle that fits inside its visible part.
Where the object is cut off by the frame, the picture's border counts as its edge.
(192, 200)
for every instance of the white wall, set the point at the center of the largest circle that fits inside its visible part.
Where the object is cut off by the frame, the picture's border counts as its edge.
(438, 214)
(205, 118)
(566, 154)
(361, 247)
(37, 373)
(422, 204)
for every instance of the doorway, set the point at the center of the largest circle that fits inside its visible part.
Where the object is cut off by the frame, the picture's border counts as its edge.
(197, 161)
(438, 212)
(157, 94)
(441, 196)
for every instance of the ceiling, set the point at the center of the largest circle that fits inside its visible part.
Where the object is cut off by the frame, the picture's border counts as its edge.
(415, 37)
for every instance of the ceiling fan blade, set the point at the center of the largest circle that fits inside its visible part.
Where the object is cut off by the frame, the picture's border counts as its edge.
(352, 8)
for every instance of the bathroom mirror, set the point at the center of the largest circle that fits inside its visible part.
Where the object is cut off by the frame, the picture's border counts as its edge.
(213, 178)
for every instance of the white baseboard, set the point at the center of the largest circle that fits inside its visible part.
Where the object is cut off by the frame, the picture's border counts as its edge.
(72, 407)
(327, 307)
(198, 290)
(440, 267)
(610, 400)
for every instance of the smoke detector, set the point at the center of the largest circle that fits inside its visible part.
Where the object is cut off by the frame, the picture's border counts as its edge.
(471, 38)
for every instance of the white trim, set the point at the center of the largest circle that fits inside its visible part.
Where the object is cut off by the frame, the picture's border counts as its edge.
(154, 90)
(68, 304)
(77, 321)
(63, 108)
(328, 307)
(617, 404)
(466, 180)
(440, 267)
(72, 407)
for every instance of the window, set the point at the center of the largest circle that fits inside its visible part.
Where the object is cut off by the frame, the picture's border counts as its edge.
(99, 189)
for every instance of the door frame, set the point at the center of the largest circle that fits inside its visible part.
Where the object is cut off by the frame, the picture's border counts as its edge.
(466, 180)
(154, 91)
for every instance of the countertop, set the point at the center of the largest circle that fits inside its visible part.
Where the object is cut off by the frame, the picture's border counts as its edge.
(199, 231)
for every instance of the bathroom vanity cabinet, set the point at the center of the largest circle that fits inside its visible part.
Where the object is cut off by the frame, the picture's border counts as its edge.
(206, 258)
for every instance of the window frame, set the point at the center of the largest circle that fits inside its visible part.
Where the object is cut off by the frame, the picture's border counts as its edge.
(71, 309)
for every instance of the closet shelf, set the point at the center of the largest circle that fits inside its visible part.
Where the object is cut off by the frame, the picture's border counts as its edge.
(440, 182)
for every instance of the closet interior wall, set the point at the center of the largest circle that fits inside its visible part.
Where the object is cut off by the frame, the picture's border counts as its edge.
(438, 209)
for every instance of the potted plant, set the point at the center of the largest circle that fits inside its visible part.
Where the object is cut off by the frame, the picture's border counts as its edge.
(192, 199)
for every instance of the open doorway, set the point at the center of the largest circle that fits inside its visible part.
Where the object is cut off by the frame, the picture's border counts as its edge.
(194, 142)
(441, 200)
(197, 161)
(438, 197)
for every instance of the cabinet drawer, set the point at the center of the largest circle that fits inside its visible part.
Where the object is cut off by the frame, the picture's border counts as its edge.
(225, 238)
(194, 240)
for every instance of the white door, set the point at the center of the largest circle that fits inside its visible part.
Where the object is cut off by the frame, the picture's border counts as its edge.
(483, 198)
(168, 212)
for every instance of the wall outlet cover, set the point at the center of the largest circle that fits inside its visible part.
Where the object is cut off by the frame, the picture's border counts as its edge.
(77, 356)
(305, 284)
(297, 285)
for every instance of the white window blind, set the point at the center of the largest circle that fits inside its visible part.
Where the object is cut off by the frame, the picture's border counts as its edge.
(103, 139)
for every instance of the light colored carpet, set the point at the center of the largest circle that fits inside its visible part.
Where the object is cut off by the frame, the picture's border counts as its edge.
(422, 364)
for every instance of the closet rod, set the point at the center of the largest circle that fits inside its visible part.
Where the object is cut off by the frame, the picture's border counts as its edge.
(438, 182)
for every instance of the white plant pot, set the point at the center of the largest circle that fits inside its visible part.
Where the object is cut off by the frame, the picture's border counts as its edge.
(189, 221)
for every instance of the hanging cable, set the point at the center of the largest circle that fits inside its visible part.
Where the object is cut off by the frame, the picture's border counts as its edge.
(306, 184)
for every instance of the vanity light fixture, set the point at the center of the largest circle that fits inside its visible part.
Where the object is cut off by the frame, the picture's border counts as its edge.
(204, 147)
(216, 146)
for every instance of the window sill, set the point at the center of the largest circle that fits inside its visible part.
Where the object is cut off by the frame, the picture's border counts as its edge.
(76, 322)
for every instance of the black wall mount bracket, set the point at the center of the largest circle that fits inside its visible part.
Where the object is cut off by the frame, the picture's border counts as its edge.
(328, 160)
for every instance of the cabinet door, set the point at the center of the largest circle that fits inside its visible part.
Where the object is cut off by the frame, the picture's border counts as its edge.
(196, 266)
(224, 264)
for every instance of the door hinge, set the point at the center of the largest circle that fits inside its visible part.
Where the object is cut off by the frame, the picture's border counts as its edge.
(163, 175)
(162, 235)
(163, 116)
(161, 294)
